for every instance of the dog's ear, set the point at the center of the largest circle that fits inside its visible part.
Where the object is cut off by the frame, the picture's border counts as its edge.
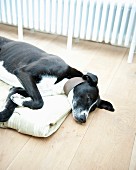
(105, 105)
(91, 79)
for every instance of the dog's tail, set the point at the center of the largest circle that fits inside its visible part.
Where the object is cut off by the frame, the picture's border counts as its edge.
(8, 110)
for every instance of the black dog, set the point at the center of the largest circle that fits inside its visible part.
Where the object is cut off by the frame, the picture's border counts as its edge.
(30, 69)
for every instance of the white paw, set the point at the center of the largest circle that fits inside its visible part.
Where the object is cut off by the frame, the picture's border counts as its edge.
(18, 99)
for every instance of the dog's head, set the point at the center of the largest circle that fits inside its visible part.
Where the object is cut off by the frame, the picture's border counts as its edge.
(84, 97)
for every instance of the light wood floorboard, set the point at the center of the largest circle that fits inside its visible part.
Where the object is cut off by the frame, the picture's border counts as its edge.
(107, 140)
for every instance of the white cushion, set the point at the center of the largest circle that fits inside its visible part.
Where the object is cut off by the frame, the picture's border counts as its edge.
(40, 123)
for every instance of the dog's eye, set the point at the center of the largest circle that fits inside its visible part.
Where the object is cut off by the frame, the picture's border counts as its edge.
(88, 98)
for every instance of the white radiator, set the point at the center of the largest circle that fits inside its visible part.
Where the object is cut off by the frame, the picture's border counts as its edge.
(94, 20)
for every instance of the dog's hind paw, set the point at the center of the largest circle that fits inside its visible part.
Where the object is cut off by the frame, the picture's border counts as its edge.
(18, 99)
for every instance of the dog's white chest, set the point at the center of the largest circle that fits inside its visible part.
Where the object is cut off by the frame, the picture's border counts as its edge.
(47, 86)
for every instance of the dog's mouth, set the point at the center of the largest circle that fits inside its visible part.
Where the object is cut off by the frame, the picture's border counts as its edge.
(81, 116)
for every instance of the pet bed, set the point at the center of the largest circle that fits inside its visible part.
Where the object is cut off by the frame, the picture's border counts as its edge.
(39, 123)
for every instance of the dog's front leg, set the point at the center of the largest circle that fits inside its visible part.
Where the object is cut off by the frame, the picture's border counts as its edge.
(10, 106)
(30, 86)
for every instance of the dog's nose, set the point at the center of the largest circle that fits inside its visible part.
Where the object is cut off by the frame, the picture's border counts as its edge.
(82, 118)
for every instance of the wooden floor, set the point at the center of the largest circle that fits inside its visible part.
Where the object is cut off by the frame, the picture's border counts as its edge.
(107, 141)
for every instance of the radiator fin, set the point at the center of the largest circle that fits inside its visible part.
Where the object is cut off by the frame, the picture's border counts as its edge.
(102, 21)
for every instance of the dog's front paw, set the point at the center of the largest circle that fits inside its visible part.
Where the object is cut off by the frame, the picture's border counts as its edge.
(18, 99)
